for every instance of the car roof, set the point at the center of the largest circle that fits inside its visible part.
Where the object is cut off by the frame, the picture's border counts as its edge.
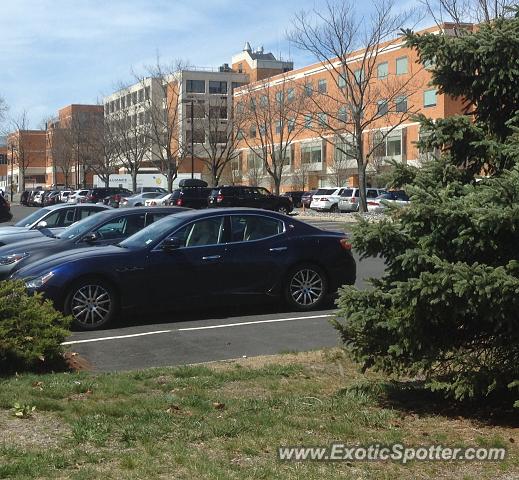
(114, 212)
(66, 205)
(192, 213)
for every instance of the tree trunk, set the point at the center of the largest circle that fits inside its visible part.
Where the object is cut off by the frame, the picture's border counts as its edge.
(363, 206)
(107, 181)
(214, 175)
(171, 179)
(277, 184)
(134, 181)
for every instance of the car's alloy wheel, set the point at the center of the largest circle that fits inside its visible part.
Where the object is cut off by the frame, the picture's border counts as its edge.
(334, 208)
(306, 287)
(92, 304)
(283, 210)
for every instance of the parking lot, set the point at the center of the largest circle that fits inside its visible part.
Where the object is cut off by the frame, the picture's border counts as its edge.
(200, 335)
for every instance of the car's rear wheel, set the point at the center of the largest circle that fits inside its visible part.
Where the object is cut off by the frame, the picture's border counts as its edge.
(334, 208)
(282, 209)
(92, 303)
(306, 287)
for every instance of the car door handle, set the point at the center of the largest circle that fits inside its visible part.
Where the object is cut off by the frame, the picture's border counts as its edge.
(278, 249)
(212, 257)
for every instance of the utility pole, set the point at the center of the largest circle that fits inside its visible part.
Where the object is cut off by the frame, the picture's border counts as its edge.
(12, 169)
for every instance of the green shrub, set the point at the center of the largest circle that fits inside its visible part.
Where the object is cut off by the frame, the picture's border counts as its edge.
(31, 331)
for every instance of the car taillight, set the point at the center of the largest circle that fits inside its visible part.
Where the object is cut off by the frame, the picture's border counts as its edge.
(353, 200)
(372, 203)
(219, 198)
(345, 244)
(180, 202)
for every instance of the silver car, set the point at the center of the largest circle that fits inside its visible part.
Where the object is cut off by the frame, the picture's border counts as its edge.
(349, 201)
(138, 199)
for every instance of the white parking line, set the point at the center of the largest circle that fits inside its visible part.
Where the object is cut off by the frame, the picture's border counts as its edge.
(190, 329)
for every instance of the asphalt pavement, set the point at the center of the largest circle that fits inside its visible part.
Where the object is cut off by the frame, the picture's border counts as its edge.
(202, 335)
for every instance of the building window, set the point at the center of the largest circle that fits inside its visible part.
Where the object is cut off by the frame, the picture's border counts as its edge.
(401, 104)
(198, 136)
(342, 81)
(342, 114)
(291, 94)
(253, 104)
(252, 131)
(279, 126)
(195, 86)
(382, 70)
(217, 87)
(236, 85)
(279, 97)
(345, 150)
(141, 118)
(107, 109)
(217, 112)
(359, 75)
(141, 95)
(291, 125)
(311, 154)
(429, 98)
(134, 98)
(308, 121)
(264, 101)
(262, 130)
(382, 107)
(148, 117)
(240, 135)
(254, 161)
(129, 100)
(198, 110)
(321, 85)
(117, 105)
(147, 93)
(123, 102)
(322, 119)
(309, 89)
(401, 66)
(394, 144)
(239, 107)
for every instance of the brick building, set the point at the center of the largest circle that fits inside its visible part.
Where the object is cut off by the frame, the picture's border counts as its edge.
(315, 148)
(26, 149)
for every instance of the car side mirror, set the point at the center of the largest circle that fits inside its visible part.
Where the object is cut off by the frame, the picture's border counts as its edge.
(170, 244)
(42, 224)
(90, 238)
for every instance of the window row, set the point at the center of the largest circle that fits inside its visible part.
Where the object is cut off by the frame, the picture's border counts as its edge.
(215, 86)
(131, 98)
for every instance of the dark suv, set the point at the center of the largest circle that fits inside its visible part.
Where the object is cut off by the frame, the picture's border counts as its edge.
(255, 197)
(191, 197)
(99, 194)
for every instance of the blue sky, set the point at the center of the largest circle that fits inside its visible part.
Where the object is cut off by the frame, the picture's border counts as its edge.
(57, 52)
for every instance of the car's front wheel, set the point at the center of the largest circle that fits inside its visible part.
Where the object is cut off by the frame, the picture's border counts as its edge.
(306, 287)
(282, 209)
(334, 208)
(92, 303)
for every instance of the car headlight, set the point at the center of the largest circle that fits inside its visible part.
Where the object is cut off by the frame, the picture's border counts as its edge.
(13, 258)
(38, 282)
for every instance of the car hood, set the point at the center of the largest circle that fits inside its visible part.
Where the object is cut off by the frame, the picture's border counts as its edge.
(26, 246)
(12, 229)
(40, 267)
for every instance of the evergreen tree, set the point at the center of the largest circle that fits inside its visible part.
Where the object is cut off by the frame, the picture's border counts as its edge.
(448, 305)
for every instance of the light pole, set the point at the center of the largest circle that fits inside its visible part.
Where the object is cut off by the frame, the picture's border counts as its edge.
(12, 168)
(192, 103)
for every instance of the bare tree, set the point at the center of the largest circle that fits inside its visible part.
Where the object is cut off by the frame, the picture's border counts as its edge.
(467, 11)
(102, 150)
(19, 146)
(348, 46)
(340, 166)
(300, 176)
(221, 141)
(60, 148)
(3, 111)
(131, 134)
(163, 109)
(255, 168)
(269, 118)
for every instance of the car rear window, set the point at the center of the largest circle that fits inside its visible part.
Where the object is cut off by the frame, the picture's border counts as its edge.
(325, 191)
(348, 192)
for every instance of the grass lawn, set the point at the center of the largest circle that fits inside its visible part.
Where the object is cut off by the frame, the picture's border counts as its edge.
(225, 421)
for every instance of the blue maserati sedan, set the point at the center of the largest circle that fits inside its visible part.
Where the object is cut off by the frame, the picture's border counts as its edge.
(226, 255)
(104, 228)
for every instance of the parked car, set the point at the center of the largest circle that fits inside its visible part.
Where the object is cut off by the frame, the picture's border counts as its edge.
(107, 227)
(77, 196)
(37, 198)
(199, 255)
(64, 195)
(116, 200)
(5, 210)
(191, 194)
(327, 199)
(378, 204)
(151, 189)
(52, 198)
(138, 199)
(254, 197)
(296, 197)
(100, 193)
(24, 197)
(349, 201)
(306, 198)
(43, 221)
(158, 201)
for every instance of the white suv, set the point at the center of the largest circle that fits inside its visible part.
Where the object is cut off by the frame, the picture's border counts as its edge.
(349, 201)
(327, 199)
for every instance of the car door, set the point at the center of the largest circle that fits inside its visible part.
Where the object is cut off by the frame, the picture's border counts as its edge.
(245, 197)
(255, 254)
(194, 270)
(119, 228)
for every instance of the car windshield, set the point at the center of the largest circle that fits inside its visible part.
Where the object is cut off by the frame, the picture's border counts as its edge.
(32, 218)
(79, 228)
(152, 234)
